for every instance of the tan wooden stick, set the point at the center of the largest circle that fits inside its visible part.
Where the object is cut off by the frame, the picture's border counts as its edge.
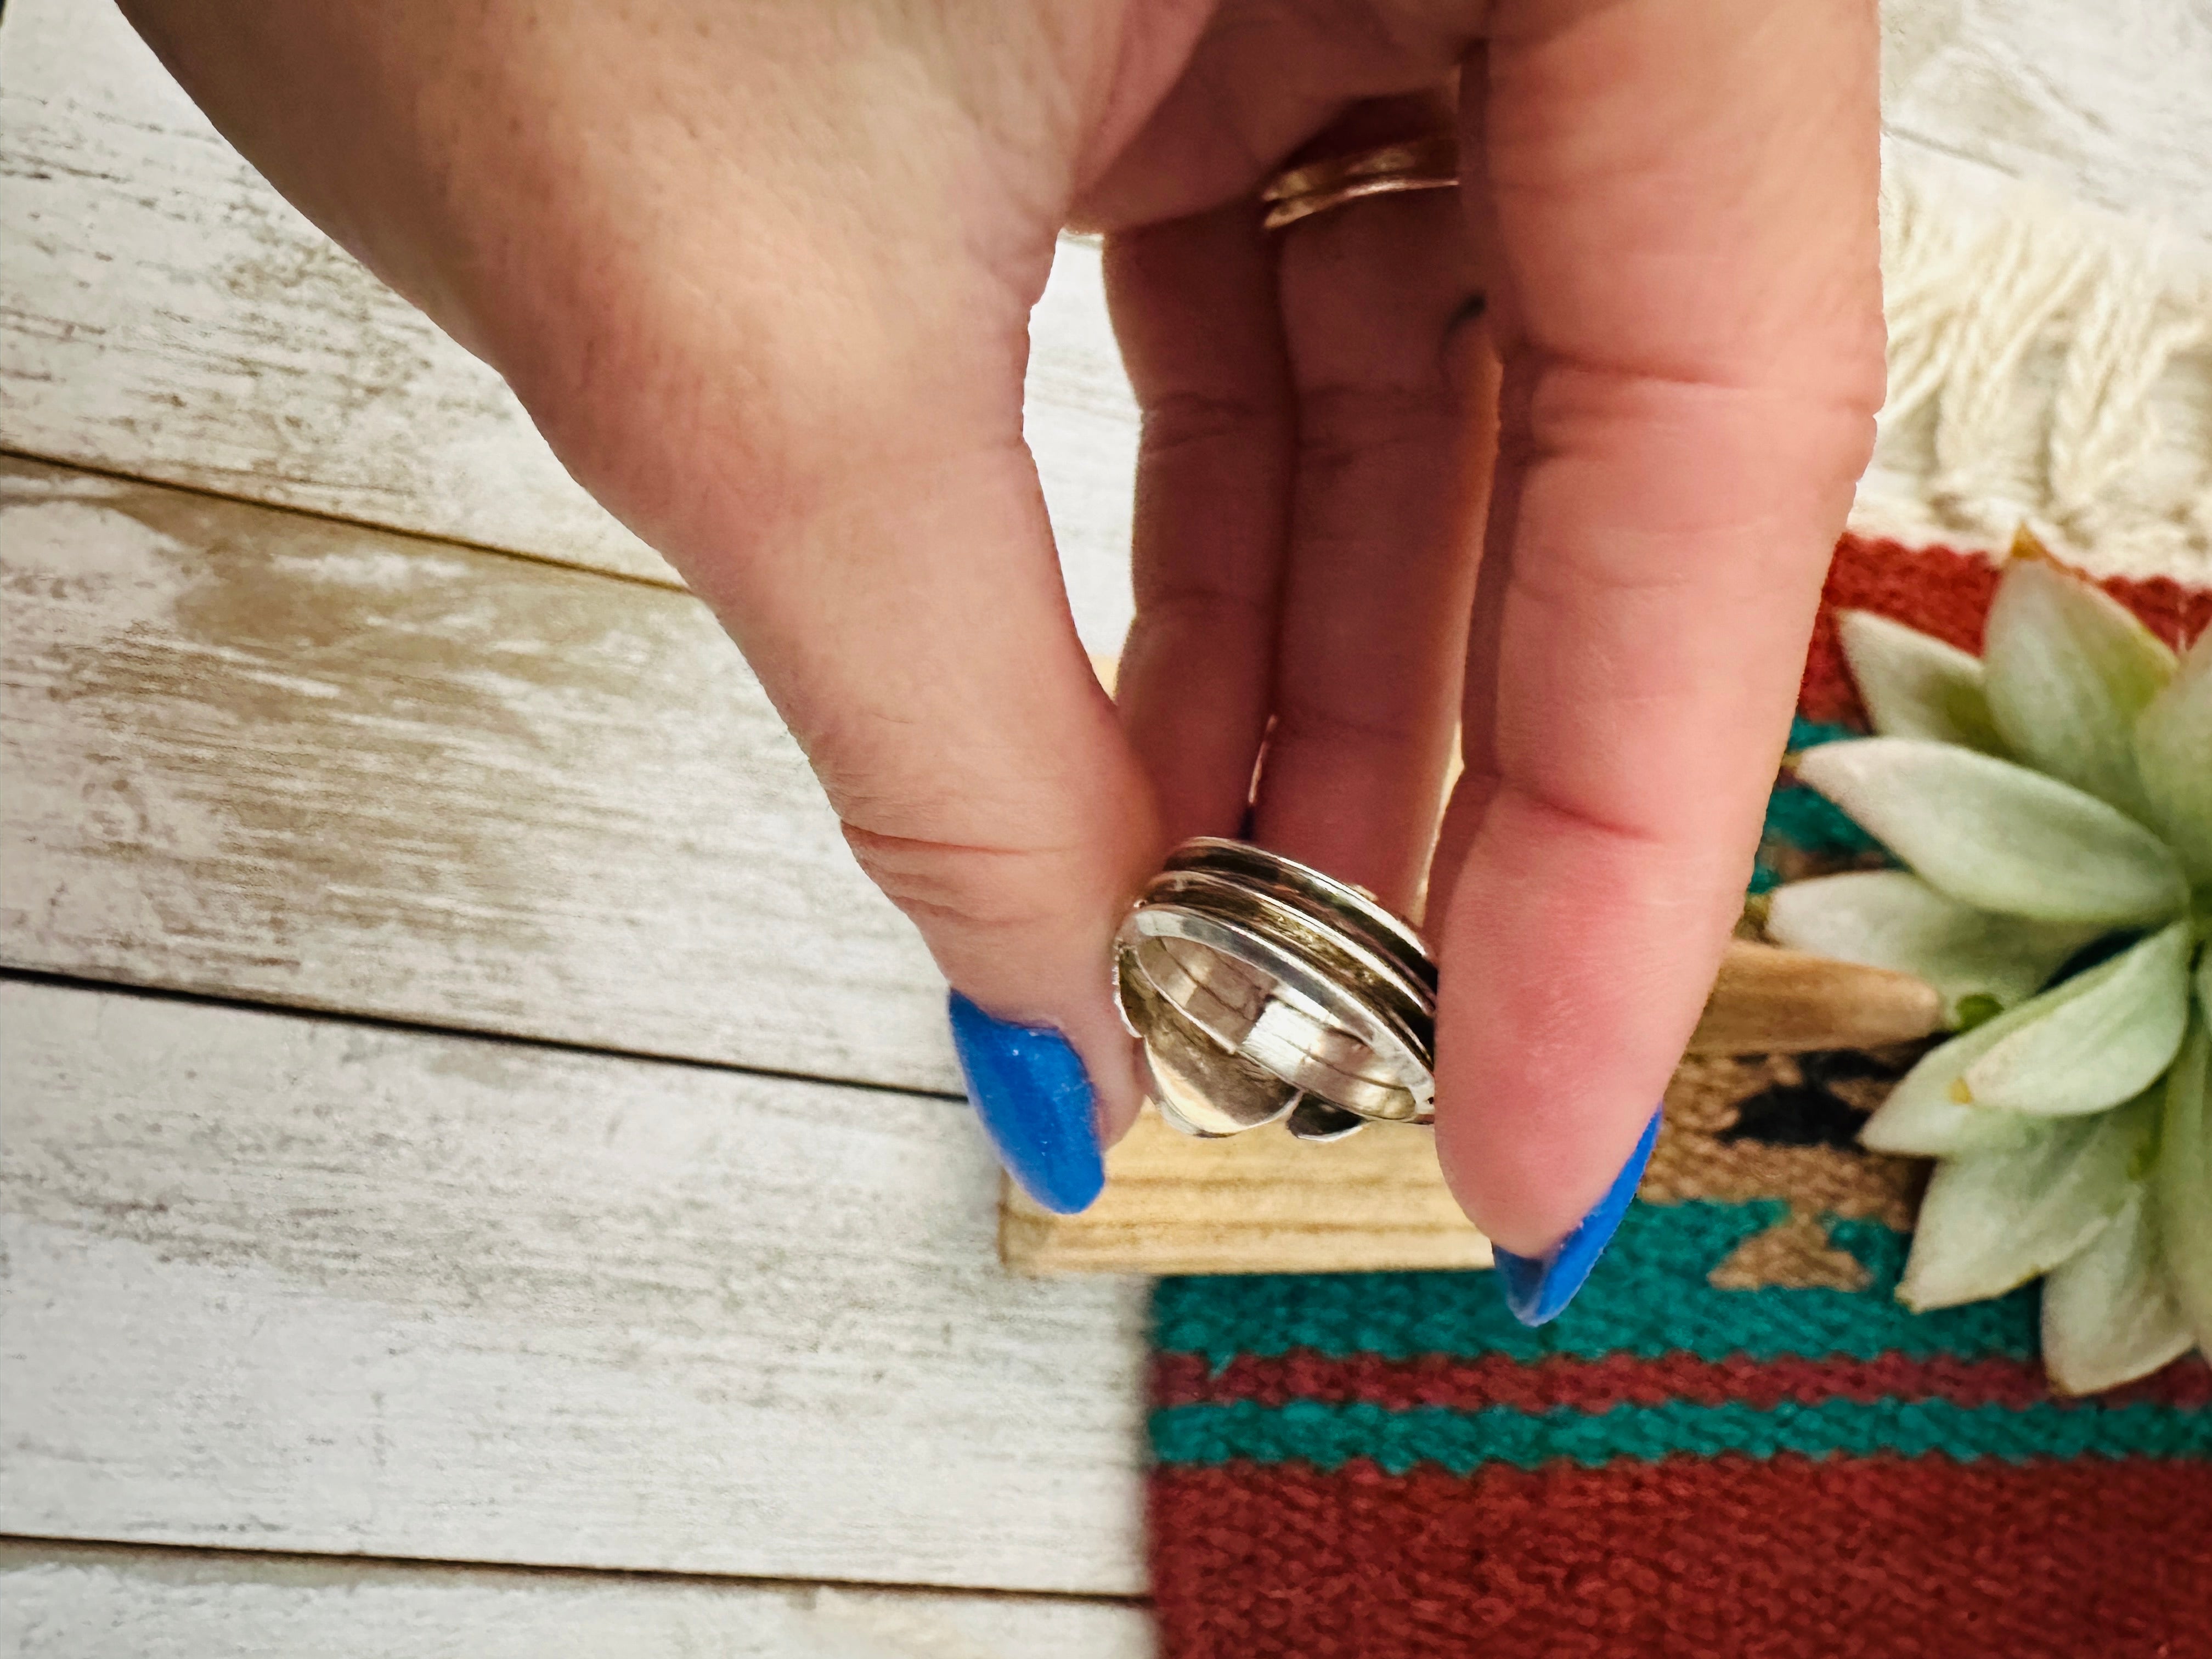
(1771, 1001)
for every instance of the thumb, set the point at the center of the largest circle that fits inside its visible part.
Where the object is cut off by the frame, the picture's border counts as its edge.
(762, 283)
(868, 525)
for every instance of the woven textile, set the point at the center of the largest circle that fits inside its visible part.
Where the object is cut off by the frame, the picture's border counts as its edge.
(1737, 1441)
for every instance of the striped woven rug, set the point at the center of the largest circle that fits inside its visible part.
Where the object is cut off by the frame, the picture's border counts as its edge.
(1736, 1442)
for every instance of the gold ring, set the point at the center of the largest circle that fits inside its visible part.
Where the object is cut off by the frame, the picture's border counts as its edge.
(1420, 164)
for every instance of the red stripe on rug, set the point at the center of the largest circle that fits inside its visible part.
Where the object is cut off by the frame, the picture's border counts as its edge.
(1946, 593)
(1722, 1559)
(1594, 1385)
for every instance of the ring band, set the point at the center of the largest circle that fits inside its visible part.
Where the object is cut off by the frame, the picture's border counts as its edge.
(1420, 164)
(1263, 991)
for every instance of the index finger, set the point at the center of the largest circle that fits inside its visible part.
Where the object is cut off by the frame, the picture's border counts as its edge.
(1690, 322)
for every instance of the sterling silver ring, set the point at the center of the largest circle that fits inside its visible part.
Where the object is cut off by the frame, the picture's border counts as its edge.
(1263, 991)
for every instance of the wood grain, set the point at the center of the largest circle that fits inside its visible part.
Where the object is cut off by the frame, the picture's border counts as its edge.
(1767, 1000)
(165, 314)
(269, 756)
(299, 1283)
(1260, 1202)
(1264, 1202)
(2104, 105)
(78, 1601)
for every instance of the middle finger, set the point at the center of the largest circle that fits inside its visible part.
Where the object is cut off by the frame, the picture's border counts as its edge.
(1395, 389)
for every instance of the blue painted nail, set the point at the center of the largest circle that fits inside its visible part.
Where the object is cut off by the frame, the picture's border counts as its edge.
(1035, 1100)
(1539, 1288)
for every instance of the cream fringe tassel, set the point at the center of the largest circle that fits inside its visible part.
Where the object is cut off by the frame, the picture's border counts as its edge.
(2048, 363)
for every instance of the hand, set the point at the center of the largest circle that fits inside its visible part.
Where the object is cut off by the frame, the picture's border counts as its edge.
(761, 273)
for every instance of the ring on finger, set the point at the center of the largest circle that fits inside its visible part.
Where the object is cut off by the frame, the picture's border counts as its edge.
(1263, 991)
(1298, 192)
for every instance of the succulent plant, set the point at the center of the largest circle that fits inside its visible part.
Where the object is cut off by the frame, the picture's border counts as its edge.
(2051, 802)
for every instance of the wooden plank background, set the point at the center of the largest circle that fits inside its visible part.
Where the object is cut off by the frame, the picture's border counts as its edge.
(260, 754)
(92, 1603)
(309, 1286)
(325, 695)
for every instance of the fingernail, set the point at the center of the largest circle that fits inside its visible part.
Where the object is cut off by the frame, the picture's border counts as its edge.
(1034, 1097)
(1539, 1288)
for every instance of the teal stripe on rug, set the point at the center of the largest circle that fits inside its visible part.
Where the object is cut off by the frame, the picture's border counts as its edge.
(1328, 1436)
(1812, 823)
(1811, 734)
(1800, 817)
(1648, 1296)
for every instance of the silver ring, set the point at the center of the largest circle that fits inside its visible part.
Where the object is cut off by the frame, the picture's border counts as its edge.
(1263, 991)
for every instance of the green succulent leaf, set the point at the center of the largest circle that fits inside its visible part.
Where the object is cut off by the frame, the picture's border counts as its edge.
(1923, 1116)
(1993, 1220)
(1999, 836)
(1914, 685)
(1932, 1113)
(2069, 670)
(2183, 1181)
(2057, 789)
(1893, 919)
(2173, 756)
(2109, 1316)
(1975, 1009)
(2107, 1044)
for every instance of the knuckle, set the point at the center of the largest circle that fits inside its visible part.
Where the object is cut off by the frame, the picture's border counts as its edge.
(1303, 722)
(941, 884)
(1181, 422)
(1341, 425)
(1198, 607)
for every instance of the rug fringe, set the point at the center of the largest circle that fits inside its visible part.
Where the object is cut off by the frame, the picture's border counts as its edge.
(2049, 363)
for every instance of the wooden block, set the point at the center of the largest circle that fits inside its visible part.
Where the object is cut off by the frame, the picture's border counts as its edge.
(1265, 1203)
(1256, 1203)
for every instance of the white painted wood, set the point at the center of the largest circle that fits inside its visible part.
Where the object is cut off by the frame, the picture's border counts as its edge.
(2106, 105)
(267, 755)
(77, 1601)
(1081, 423)
(164, 313)
(301, 1285)
(168, 313)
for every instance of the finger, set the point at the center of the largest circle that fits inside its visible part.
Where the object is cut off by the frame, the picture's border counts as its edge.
(1380, 299)
(868, 524)
(1194, 306)
(1690, 325)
